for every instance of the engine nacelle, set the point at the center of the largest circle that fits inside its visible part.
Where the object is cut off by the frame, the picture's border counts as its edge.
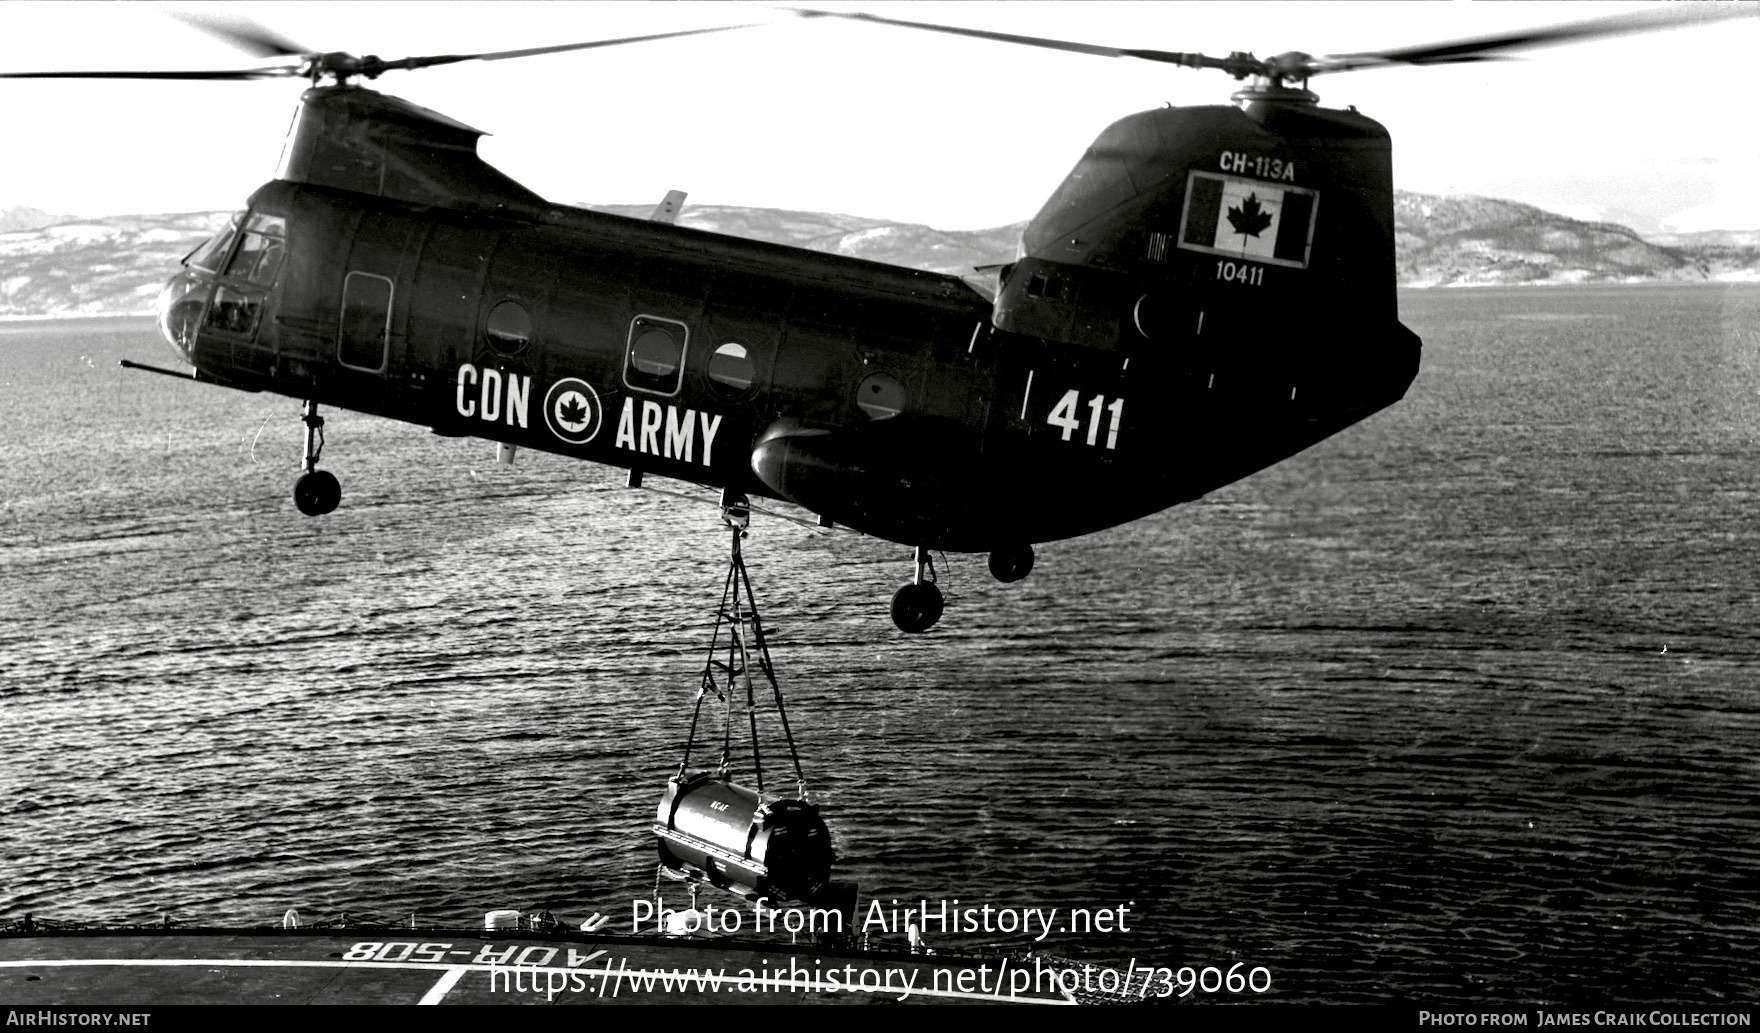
(1058, 301)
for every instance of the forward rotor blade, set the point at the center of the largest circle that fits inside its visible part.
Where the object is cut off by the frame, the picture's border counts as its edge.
(503, 55)
(234, 74)
(1487, 47)
(262, 40)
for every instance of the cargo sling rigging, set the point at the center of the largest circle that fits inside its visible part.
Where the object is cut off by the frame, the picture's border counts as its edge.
(745, 649)
(711, 829)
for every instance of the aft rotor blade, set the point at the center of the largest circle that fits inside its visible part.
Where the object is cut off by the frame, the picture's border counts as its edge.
(1165, 56)
(1484, 48)
(244, 34)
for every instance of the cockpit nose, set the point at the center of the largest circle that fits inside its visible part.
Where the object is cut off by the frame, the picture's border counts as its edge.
(180, 312)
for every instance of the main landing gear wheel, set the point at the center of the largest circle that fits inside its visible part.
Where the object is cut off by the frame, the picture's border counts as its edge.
(317, 491)
(1010, 563)
(918, 605)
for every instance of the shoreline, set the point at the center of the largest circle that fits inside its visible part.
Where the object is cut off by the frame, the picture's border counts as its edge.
(15, 317)
(63, 317)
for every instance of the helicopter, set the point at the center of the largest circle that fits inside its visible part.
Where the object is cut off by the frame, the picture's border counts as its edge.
(1209, 291)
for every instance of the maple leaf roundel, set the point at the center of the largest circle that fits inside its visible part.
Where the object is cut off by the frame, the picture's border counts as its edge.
(1249, 220)
(572, 411)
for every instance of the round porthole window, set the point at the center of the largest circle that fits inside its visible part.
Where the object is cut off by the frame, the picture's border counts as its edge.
(880, 395)
(730, 370)
(509, 328)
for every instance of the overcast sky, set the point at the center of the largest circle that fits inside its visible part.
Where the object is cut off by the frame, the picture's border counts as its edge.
(1652, 130)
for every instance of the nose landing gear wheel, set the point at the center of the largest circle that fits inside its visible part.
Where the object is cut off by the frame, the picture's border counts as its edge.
(917, 606)
(317, 493)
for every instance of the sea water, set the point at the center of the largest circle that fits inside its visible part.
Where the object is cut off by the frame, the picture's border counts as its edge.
(1458, 706)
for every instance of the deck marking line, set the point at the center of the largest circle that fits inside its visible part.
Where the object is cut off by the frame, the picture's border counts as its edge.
(622, 975)
(444, 985)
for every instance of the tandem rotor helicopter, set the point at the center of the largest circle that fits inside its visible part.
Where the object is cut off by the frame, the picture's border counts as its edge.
(1210, 290)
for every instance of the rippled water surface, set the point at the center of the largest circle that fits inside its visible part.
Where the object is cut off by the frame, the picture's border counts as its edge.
(1458, 706)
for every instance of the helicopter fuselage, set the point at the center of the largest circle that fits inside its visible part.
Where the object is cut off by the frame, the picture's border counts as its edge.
(1179, 318)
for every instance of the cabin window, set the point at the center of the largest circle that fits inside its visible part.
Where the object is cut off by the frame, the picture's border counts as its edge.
(655, 359)
(730, 370)
(213, 251)
(234, 311)
(258, 258)
(880, 395)
(1048, 287)
(509, 328)
(366, 322)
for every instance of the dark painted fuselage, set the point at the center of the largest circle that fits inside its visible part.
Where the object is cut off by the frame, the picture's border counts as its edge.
(1160, 336)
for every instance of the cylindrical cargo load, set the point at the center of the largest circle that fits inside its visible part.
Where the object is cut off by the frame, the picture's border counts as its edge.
(724, 832)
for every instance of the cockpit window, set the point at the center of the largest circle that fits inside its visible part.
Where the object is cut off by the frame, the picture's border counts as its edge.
(259, 254)
(213, 251)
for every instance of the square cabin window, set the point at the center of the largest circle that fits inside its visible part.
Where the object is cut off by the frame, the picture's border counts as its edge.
(654, 360)
(365, 331)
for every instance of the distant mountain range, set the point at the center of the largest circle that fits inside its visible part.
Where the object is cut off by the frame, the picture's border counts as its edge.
(1455, 241)
(53, 265)
(14, 219)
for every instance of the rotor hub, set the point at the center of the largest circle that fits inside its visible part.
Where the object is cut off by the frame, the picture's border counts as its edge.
(1270, 89)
